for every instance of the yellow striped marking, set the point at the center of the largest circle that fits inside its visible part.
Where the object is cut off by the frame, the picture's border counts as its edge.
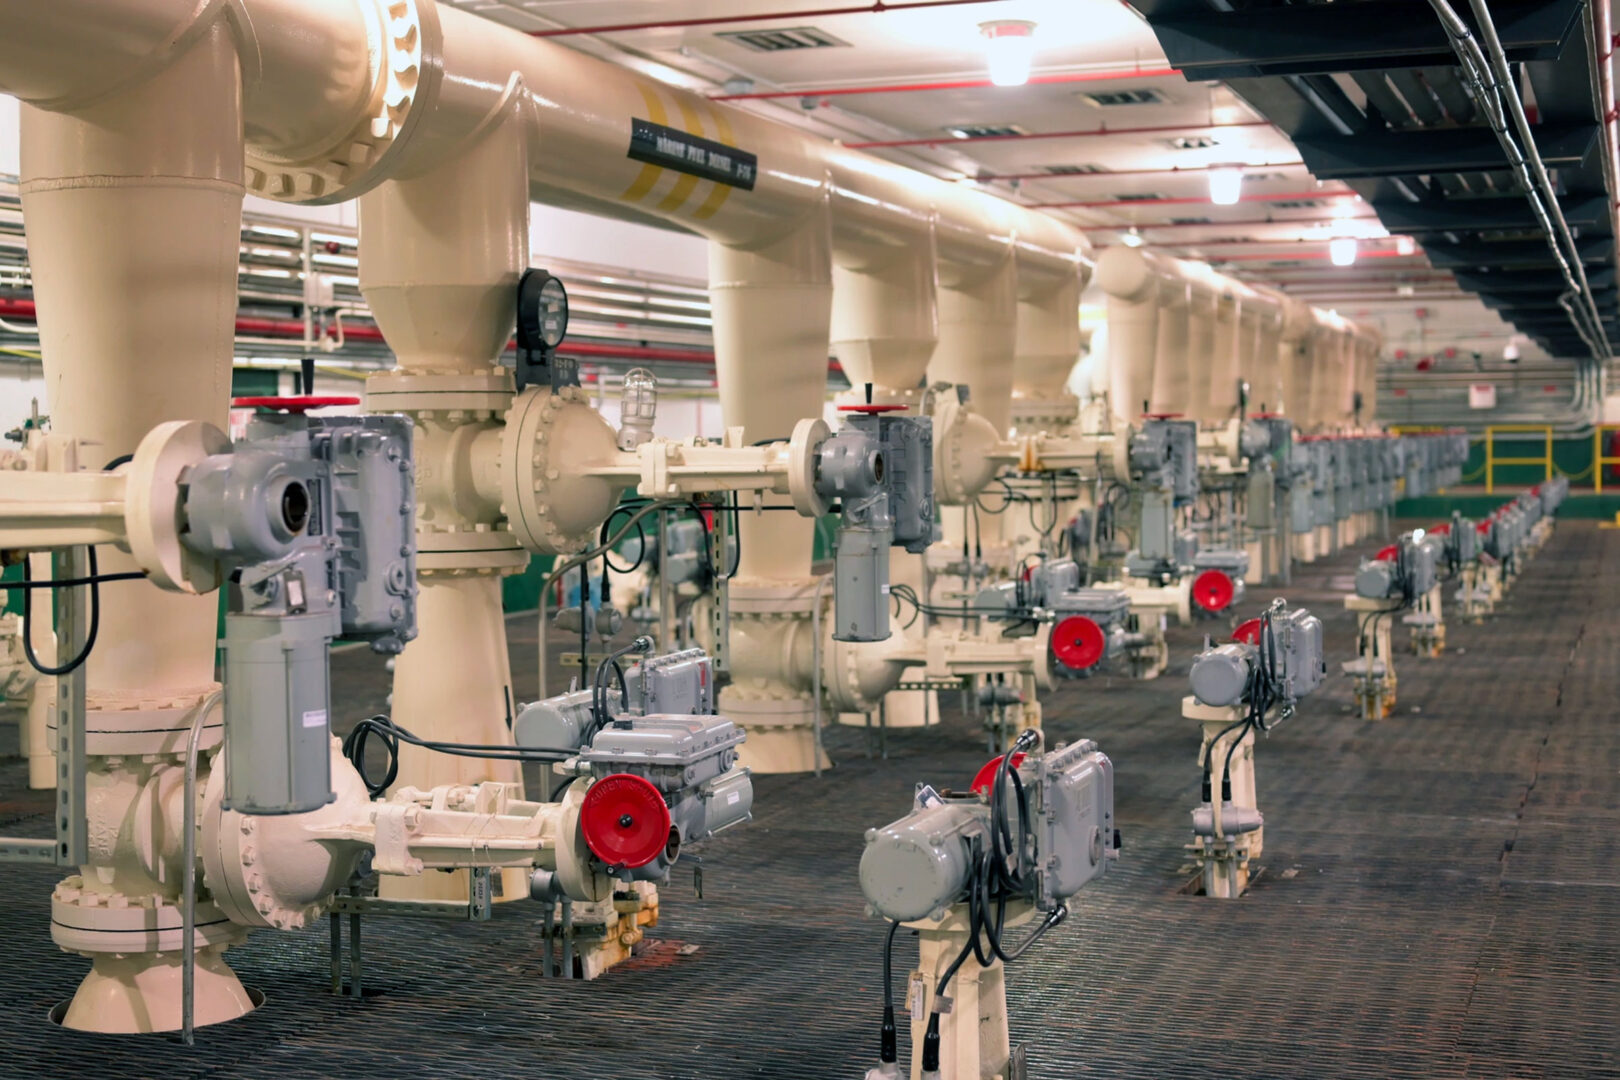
(721, 192)
(650, 174)
(687, 183)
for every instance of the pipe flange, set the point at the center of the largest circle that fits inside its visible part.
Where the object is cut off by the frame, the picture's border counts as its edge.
(151, 492)
(808, 435)
(280, 870)
(415, 391)
(551, 501)
(88, 922)
(768, 597)
(406, 40)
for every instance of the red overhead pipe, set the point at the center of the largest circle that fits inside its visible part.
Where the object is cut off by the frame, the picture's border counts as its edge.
(258, 326)
(877, 7)
(950, 140)
(1292, 256)
(954, 84)
(1189, 200)
(1187, 170)
(1146, 227)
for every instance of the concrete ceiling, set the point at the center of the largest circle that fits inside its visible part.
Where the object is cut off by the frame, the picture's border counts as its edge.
(1278, 234)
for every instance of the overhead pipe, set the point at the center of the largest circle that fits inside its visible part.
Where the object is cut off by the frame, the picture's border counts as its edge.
(1058, 78)
(1114, 174)
(952, 140)
(877, 7)
(1186, 200)
(1486, 69)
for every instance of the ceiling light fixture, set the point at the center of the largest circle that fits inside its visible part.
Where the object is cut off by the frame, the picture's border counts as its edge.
(1405, 245)
(1225, 184)
(1342, 250)
(1133, 238)
(1009, 49)
(1510, 351)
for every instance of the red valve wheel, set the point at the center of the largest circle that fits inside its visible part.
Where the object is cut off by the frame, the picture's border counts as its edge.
(1248, 632)
(987, 773)
(625, 820)
(299, 404)
(1078, 643)
(870, 409)
(1213, 591)
(1388, 554)
(1162, 416)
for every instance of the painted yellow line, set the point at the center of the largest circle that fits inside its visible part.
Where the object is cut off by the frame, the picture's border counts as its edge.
(649, 174)
(721, 192)
(687, 183)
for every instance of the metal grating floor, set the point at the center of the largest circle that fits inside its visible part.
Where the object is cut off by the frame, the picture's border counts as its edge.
(1440, 900)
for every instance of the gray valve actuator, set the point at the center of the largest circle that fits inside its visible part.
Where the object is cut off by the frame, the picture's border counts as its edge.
(1289, 648)
(1405, 570)
(666, 734)
(315, 518)
(881, 469)
(920, 865)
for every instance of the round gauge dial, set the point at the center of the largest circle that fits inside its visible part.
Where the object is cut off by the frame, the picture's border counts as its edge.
(553, 312)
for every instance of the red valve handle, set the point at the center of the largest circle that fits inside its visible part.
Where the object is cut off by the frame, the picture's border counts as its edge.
(296, 404)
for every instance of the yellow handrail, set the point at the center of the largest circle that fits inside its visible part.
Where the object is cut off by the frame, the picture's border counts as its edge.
(1598, 458)
(1492, 461)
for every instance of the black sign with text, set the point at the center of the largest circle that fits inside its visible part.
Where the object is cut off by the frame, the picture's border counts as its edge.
(656, 144)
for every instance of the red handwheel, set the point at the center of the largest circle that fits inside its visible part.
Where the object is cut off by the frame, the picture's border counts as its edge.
(1078, 643)
(987, 772)
(625, 820)
(1247, 632)
(1213, 591)
(298, 404)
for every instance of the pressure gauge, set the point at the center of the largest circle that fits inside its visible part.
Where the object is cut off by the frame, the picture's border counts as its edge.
(542, 316)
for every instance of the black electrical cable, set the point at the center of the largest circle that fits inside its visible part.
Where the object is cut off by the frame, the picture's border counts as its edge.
(391, 735)
(94, 580)
(641, 536)
(888, 1047)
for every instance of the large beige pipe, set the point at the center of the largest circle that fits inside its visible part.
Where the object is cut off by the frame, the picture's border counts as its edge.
(1220, 390)
(1295, 361)
(1135, 294)
(885, 316)
(1263, 311)
(440, 256)
(1047, 340)
(133, 195)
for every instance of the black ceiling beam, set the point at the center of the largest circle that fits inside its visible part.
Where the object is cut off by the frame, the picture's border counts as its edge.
(1486, 213)
(1510, 253)
(1511, 281)
(1306, 39)
(1419, 151)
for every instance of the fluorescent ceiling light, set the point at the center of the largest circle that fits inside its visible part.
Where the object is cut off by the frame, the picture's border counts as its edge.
(1133, 238)
(1405, 245)
(1342, 250)
(1009, 49)
(1225, 184)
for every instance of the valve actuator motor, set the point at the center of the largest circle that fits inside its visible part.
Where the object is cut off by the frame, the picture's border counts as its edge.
(1405, 570)
(921, 864)
(880, 468)
(662, 766)
(1290, 653)
(315, 518)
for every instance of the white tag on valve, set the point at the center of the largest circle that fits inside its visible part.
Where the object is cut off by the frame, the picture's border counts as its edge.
(916, 997)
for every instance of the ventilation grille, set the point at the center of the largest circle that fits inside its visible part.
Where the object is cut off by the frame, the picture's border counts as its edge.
(1192, 221)
(769, 41)
(1139, 196)
(1296, 204)
(1191, 142)
(985, 131)
(1075, 170)
(1115, 98)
